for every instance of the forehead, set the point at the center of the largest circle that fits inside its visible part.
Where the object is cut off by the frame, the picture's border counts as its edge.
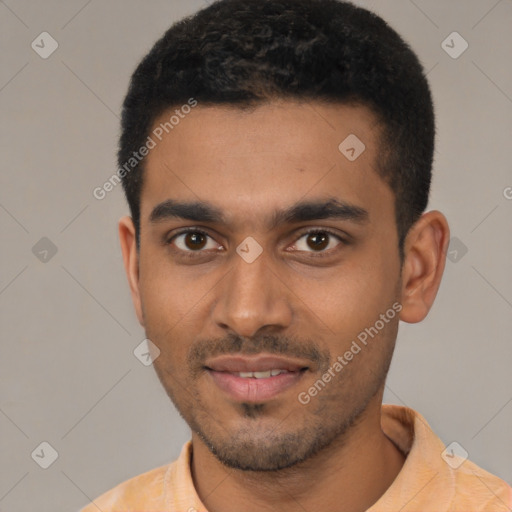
(247, 161)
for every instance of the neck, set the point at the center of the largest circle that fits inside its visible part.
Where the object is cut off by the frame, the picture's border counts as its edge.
(350, 475)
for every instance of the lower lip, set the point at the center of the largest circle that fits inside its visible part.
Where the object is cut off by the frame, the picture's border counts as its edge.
(254, 390)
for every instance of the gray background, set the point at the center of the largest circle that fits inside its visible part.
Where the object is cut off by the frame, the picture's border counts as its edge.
(67, 370)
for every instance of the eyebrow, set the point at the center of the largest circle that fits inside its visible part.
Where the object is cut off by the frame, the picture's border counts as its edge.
(199, 211)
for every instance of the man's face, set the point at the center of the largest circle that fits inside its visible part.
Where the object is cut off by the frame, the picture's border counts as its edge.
(219, 311)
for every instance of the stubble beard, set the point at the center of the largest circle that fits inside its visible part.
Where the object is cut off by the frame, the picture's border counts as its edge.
(256, 447)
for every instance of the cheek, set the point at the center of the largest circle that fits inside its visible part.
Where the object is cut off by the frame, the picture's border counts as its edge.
(166, 316)
(168, 293)
(353, 298)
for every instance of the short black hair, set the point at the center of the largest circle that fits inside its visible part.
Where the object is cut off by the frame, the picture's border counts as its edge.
(244, 53)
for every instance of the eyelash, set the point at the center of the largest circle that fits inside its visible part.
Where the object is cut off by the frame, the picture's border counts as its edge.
(313, 254)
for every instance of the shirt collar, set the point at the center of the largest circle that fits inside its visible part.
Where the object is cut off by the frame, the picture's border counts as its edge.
(423, 473)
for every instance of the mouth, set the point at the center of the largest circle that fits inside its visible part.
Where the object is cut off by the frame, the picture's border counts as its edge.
(255, 379)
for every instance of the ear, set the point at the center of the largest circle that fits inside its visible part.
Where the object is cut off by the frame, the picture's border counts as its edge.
(425, 250)
(131, 262)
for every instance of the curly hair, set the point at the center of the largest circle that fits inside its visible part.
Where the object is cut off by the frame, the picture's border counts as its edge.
(246, 52)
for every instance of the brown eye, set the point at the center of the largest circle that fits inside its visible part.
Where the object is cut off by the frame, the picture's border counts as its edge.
(318, 241)
(193, 241)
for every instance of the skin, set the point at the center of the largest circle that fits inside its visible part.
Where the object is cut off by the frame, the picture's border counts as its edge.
(331, 453)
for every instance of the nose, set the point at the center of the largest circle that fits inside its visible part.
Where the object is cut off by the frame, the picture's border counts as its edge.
(252, 298)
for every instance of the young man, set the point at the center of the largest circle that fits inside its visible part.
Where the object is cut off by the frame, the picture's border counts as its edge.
(276, 157)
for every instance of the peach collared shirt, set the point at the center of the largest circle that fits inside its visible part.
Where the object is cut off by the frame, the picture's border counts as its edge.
(427, 482)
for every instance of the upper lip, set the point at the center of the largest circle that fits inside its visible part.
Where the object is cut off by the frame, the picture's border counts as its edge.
(258, 363)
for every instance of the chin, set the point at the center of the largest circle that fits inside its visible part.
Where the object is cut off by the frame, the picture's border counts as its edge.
(249, 450)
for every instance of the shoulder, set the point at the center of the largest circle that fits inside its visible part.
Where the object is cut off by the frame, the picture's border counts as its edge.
(142, 492)
(476, 486)
(168, 487)
(434, 476)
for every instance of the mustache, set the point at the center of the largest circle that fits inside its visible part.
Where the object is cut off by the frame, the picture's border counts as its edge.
(269, 344)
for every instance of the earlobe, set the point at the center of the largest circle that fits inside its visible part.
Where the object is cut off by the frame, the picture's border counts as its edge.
(424, 261)
(127, 239)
